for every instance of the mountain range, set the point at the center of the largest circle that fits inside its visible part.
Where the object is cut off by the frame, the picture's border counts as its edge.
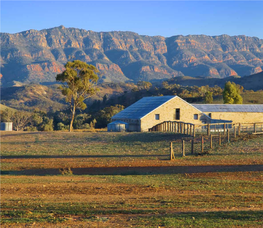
(38, 56)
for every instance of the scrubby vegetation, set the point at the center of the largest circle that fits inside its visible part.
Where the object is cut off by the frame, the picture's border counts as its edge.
(116, 97)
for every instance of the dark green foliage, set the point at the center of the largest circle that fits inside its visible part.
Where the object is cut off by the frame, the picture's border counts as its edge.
(81, 121)
(103, 117)
(208, 97)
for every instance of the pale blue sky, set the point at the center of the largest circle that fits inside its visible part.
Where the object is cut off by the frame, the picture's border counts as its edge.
(166, 18)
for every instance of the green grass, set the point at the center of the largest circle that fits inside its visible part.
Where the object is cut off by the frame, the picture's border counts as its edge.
(205, 219)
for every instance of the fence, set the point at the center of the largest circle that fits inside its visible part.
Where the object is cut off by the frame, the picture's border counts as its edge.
(176, 127)
(193, 129)
(215, 136)
(201, 144)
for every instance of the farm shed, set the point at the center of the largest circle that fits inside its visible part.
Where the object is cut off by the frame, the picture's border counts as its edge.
(237, 113)
(150, 111)
(117, 126)
(6, 126)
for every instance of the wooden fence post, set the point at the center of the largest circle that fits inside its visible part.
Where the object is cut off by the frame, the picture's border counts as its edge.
(228, 136)
(219, 139)
(171, 151)
(183, 148)
(208, 129)
(194, 130)
(211, 141)
(224, 129)
(235, 132)
(192, 146)
(202, 144)
(255, 129)
(239, 129)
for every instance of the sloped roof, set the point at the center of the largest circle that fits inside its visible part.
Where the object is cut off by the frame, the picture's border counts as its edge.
(229, 107)
(142, 107)
(117, 122)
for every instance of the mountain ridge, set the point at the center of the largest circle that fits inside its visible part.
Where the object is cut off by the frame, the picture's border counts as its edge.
(37, 56)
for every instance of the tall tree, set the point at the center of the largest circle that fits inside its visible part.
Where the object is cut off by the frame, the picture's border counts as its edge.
(79, 81)
(231, 94)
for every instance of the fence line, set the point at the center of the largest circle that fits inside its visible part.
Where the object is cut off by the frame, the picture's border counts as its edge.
(191, 129)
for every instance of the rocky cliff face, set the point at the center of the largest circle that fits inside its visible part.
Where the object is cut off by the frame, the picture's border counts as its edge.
(37, 56)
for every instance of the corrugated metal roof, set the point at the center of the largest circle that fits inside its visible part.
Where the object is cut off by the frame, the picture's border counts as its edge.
(142, 107)
(229, 107)
(117, 122)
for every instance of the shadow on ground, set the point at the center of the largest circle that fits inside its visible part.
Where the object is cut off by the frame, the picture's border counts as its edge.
(151, 170)
(160, 156)
(148, 137)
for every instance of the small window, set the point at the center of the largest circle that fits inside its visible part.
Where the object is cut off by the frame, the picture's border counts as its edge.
(177, 114)
(196, 116)
(210, 115)
(157, 116)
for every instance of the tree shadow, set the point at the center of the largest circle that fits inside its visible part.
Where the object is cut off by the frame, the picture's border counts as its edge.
(149, 137)
(146, 170)
(164, 157)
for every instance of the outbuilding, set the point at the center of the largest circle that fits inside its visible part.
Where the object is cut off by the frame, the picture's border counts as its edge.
(117, 126)
(6, 126)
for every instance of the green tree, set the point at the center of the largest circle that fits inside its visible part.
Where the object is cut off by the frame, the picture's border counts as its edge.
(208, 97)
(231, 94)
(144, 85)
(6, 115)
(79, 81)
(103, 117)
(20, 120)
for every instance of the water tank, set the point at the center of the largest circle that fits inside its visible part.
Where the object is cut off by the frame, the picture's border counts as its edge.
(117, 126)
(6, 126)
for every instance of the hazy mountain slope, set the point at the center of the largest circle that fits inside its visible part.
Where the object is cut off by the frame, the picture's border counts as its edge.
(33, 96)
(49, 98)
(37, 56)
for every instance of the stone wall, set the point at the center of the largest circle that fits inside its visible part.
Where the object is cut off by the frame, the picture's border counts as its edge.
(238, 117)
(167, 113)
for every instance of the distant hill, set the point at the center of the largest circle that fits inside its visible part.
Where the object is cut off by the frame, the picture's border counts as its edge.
(37, 56)
(30, 97)
(252, 82)
(49, 98)
(4, 107)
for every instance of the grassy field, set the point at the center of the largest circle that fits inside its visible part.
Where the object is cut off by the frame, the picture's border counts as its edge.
(61, 179)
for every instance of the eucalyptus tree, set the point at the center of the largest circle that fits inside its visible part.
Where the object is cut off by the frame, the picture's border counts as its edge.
(79, 82)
